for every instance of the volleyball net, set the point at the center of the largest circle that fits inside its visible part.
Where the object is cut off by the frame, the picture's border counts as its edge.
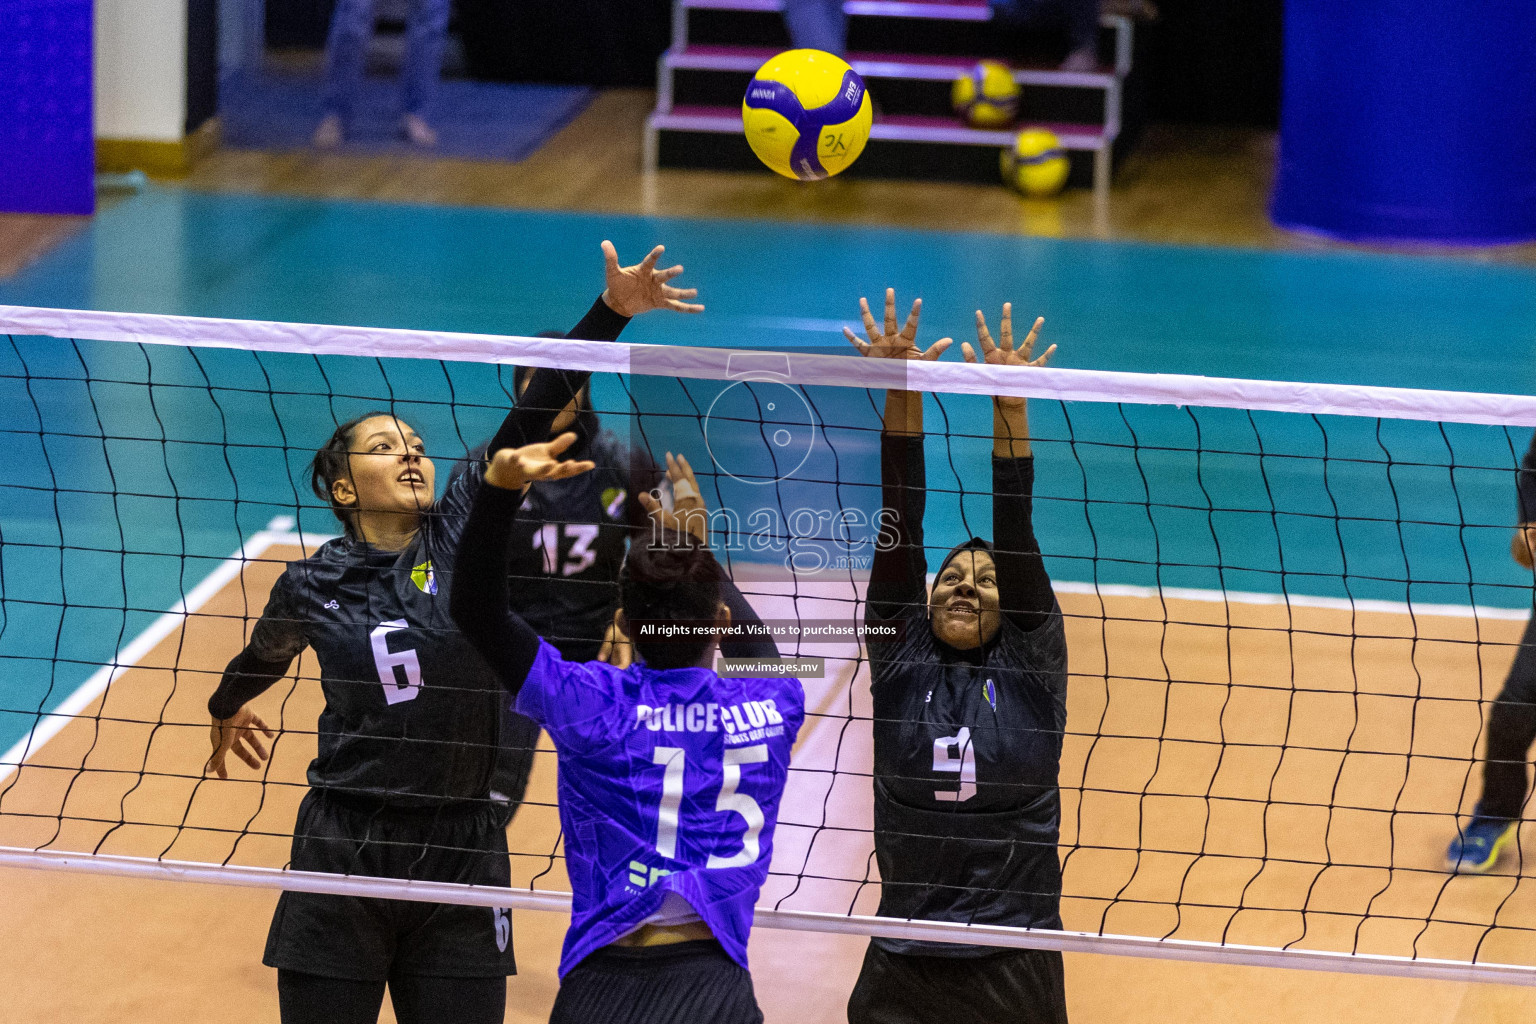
(1288, 609)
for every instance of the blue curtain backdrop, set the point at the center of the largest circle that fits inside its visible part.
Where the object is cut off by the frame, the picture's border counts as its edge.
(47, 153)
(1409, 119)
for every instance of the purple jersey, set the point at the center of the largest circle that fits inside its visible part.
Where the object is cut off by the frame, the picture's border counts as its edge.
(669, 781)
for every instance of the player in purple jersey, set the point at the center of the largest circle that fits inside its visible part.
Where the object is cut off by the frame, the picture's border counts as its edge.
(670, 774)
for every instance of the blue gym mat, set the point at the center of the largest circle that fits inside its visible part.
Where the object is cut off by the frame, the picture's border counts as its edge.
(474, 120)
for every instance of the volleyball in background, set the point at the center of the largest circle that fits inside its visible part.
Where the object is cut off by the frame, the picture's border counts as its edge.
(807, 114)
(986, 96)
(1035, 164)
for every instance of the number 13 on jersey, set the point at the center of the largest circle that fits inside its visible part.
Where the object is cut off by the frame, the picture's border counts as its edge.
(729, 801)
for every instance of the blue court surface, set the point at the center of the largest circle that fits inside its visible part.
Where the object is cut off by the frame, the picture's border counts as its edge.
(203, 447)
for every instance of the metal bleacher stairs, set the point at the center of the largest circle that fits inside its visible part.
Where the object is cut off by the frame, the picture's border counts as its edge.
(908, 51)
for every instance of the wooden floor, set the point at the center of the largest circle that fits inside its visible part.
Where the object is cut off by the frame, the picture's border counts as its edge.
(1231, 772)
(1188, 185)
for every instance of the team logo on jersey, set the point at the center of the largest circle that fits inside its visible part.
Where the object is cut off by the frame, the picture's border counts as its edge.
(613, 501)
(332, 605)
(989, 691)
(423, 578)
(643, 877)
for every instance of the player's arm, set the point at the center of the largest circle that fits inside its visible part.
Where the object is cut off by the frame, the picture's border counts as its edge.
(1523, 544)
(481, 601)
(275, 641)
(898, 571)
(628, 292)
(1024, 588)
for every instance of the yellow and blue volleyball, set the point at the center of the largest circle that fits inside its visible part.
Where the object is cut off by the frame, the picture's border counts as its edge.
(1035, 164)
(986, 96)
(807, 114)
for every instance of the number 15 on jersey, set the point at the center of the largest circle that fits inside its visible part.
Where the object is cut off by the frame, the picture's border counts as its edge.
(729, 801)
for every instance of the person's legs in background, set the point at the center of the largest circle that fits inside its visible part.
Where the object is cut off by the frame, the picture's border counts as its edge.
(425, 34)
(1511, 731)
(345, 47)
(817, 25)
(1080, 18)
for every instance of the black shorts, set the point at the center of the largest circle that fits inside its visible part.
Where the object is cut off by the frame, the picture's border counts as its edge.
(1022, 986)
(368, 939)
(684, 983)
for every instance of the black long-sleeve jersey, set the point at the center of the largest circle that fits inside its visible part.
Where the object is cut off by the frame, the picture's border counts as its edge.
(563, 560)
(1525, 486)
(413, 715)
(967, 743)
(568, 540)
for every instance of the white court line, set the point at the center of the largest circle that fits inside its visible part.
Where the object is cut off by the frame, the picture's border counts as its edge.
(278, 531)
(1187, 950)
(1341, 604)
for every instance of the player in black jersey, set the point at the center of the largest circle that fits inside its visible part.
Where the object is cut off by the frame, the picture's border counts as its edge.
(969, 714)
(410, 734)
(565, 552)
(1495, 823)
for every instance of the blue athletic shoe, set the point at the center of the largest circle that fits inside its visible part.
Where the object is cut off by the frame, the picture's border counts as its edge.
(1476, 847)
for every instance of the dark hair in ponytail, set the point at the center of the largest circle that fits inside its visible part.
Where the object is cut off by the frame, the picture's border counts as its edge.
(331, 464)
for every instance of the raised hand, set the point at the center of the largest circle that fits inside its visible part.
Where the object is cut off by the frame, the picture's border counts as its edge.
(241, 734)
(688, 512)
(894, 344)
(512, 469)
(1004, 353)
(616, 650)
(641, 288)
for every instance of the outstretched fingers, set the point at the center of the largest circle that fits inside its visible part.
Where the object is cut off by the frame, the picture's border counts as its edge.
(675, 302)
(983, 335)
(1028, 348)
(890, 312)
(648, 264)
(242, 748)
(1044, 358)
(853, 339)
(871, 329)
(909, 330)
(937, 349)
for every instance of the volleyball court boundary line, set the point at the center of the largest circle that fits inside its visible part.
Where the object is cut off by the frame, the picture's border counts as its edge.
(807, 369)
(280, 531)
(1187, 950)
